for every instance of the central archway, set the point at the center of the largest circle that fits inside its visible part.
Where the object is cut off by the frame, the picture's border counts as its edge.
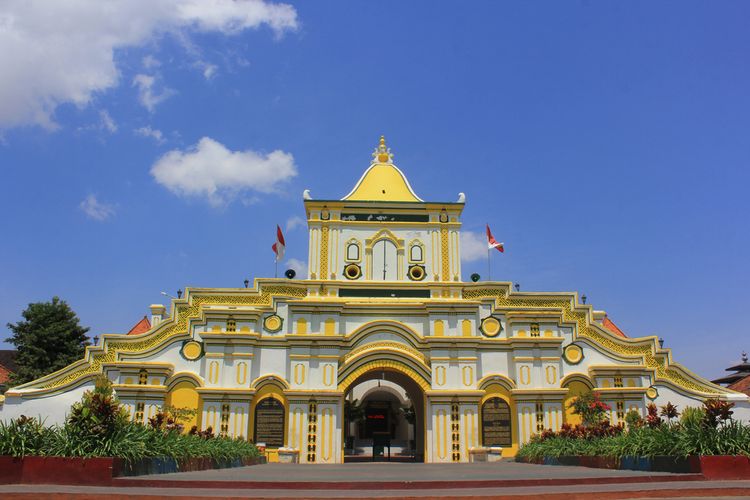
(384, 408)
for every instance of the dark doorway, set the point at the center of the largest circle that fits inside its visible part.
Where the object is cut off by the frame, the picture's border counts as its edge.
(385, 412)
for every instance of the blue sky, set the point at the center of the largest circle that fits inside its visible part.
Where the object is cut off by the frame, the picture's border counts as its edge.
(605, 142)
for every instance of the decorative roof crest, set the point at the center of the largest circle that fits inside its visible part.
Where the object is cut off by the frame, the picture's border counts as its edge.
(382, 153)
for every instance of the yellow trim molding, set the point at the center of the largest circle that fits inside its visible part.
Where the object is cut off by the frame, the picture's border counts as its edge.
(389, 365)
(645, 349)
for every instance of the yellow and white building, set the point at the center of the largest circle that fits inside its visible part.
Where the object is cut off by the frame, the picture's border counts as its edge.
(384, 300)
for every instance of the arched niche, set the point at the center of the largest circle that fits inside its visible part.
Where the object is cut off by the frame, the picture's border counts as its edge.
(269, 386)
(576, 385)
(269, 421)
(182, 393)
(496, 404)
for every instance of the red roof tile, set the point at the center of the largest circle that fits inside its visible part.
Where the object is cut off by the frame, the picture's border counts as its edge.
(610, 325)
(742, 385)
(142, 326)
(7, 364)
(4, 375)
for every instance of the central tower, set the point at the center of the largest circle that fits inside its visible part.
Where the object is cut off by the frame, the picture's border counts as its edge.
(383, 232)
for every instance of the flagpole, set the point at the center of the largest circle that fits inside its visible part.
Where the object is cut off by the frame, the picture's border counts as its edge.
(275, 268)
(489, 273)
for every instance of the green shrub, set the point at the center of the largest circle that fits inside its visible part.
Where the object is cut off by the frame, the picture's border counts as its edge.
(692, 416)
(699, 431)
(23, 436)
(633, 419)
(98, 426)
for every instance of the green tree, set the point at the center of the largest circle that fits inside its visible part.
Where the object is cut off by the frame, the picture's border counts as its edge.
(48, 339)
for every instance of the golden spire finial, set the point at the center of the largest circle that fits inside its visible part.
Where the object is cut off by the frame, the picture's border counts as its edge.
(382, 153)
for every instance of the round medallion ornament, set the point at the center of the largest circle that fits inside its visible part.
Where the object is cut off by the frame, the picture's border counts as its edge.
(573, 354)
(352, 271)
(652, 393)
(192, 350)
(416, 273)
(490, 326)
(273, 323)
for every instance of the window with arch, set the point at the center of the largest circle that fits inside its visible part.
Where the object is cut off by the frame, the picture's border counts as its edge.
(416, 252)
(352, 251)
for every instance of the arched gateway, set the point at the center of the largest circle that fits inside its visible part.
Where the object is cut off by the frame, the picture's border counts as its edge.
(437, 364)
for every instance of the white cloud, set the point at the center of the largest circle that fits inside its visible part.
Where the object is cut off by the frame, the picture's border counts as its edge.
(209, 70)
(299, 267)
(150, 62)
(95, 209)
(63, 52)
(148, 95)
(153, 133)
(107, 122)
(208, 169)
(294, 222)
(473, 246)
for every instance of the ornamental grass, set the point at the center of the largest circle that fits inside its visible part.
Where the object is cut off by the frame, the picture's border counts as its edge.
(699, 431)
(98, 426)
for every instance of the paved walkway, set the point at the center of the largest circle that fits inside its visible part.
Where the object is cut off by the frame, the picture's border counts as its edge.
(713, 490)
(506, 479)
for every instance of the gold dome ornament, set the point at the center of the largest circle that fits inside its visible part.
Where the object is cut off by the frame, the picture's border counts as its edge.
(416, 273)
(490, 326)
(192, 350)
(382, 153)
(573, 354)
(273, 323)
(352, 271)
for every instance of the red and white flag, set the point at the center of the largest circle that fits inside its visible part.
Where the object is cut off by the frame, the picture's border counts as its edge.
(492, 242)
(280, 245)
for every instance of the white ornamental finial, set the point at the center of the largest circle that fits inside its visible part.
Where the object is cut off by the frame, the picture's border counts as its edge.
(382, 153)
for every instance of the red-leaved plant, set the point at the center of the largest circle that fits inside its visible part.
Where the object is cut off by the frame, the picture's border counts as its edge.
(602, 429)
(653, 419)
(207, 434)
(717, 411)
(590, 408)
(669, 411)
